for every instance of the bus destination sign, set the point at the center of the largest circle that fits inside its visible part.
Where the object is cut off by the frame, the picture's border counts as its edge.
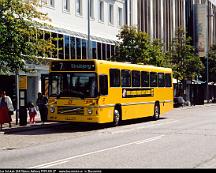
(73, 66)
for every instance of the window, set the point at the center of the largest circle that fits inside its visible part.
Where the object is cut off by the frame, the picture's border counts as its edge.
(84, 48)
(153, 79)
(135, 78)
(99, 50)
(47, 36)
(92, 9)
(120, 16)
(66, 5)
(101, 11)
(145, 79)
(55, 42)
(104, 51)
(50, 3)
(111, 14)
(108, 51)
(161, 80)
(79, 47)
(60, 46)
(94, 49)
(112, 50)
(79, 7)
(114, 78)
(103, 81)
(73, 48)
(126, 78)
(67, 46)
(168, 81)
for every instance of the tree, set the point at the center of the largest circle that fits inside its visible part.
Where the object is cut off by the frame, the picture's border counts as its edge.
(211, 64)
(21, 37)
(183, 59)
(136, 47)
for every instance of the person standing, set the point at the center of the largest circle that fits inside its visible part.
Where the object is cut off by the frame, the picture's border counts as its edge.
(32, 113)
(42, 105)
(6, 109)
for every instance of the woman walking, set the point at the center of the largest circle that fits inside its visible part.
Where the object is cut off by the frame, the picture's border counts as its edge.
(6, 109)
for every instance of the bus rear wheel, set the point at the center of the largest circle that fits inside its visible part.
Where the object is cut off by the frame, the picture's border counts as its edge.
(156, 115)
(116, 117)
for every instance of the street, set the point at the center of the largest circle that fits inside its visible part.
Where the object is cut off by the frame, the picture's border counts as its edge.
(182, 138)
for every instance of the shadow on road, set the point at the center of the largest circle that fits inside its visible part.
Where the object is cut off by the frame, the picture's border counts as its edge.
(77, 127)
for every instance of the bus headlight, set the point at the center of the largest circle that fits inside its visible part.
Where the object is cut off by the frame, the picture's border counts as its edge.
(52, 109)
(90, 111)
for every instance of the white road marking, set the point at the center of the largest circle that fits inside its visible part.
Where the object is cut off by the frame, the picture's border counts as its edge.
(61, 161)
(209, 164)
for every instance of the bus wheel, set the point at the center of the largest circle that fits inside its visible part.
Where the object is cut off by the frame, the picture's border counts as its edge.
(116, 117)
(156, 115)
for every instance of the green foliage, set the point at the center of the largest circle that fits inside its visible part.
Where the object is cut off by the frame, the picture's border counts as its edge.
(21, 39)
(212, 64)
(137, 47)
(185, 63)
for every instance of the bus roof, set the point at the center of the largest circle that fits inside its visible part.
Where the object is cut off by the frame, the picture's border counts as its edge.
(129, 65)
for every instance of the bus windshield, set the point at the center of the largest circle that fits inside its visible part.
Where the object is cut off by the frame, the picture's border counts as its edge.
(82, 85)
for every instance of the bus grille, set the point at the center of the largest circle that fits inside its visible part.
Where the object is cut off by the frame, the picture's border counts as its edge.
(71, 110)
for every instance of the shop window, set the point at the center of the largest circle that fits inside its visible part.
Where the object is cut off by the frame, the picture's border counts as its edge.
(78, 47)
(55, 42)
(67, 46)
(60, 46)
(73, 47)
(94, 49)
(99, 50)
(84, 48)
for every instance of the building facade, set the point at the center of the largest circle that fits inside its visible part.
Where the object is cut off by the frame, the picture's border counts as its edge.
(161, 18)
(70, 22)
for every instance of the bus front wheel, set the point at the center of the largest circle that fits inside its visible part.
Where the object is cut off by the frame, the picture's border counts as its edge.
(156, 115)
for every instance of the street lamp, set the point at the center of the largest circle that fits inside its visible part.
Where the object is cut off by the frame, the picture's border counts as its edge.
(206, 54)
(89, 31)
(17, 94)
(207, 49)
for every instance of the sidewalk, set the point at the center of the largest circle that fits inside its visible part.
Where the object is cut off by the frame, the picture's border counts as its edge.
(17, 128)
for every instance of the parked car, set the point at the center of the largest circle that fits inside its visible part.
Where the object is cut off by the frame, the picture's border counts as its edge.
(179, 102)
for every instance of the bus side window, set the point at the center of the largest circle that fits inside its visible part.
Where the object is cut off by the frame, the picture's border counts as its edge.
(126, 78)
(114, 78)
(168, 82)
(161, 80)
(135, 78)
(153, 79)
(103, 82)
(145, 79)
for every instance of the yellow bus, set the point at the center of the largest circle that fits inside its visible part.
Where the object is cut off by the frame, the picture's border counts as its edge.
(98, 91)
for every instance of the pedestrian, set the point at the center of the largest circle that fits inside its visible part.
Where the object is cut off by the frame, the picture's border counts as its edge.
(32, 113)
(42, 102)
(6, 109)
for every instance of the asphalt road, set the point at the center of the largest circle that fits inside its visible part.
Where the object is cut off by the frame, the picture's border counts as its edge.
(182, 138)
